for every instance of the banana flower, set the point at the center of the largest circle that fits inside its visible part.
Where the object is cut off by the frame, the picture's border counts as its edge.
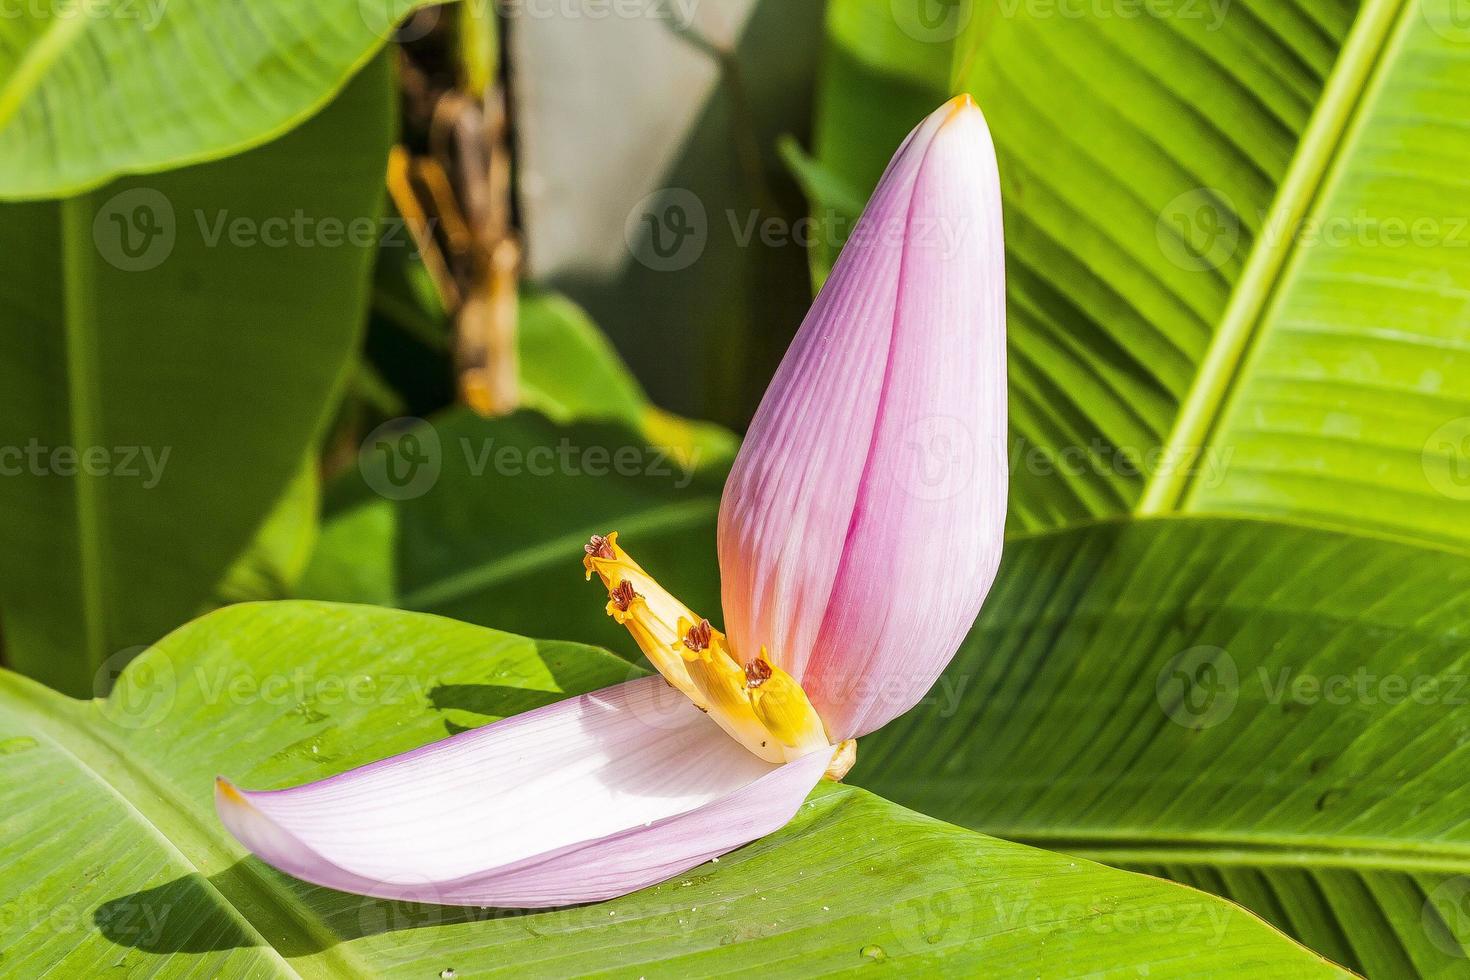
(858, 534)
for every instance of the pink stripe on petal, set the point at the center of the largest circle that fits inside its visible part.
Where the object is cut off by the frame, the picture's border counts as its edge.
(579, 801)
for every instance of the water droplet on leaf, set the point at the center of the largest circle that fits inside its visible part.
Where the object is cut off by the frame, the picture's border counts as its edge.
(20, 743)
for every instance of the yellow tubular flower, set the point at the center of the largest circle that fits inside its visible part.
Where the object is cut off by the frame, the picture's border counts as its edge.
(758, 704)
(649, 612)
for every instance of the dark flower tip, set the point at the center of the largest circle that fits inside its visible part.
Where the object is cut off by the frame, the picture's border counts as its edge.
(698, 637)
(623, 595)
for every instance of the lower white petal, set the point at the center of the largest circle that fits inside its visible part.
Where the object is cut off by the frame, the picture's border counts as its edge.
(579, 801)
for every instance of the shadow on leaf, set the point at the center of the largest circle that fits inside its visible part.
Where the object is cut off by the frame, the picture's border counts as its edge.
(493, 701)
(188, 915)
(193, 914)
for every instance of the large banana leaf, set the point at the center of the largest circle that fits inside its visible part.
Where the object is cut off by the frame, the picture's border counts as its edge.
(1237, 276)
(1277, 714)
(494, 532)
(1237, 284)
(153, 327)
(92, 91)
(141, 878)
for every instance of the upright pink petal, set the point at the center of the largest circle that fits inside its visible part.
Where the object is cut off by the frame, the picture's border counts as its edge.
(579, 801)
(788, 502)
(862, 525)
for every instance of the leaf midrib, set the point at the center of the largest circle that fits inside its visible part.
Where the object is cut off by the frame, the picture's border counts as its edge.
(1354, 76)
(82, 394)
(1365, 854)
(1295, 522)
(52, 42)
(172, 818)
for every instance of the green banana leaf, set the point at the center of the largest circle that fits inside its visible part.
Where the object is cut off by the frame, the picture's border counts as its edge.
(491, 528)
(141, 877)
(273, 564)
(568, 368)
(153, 327)
(1237, 286)
(1276, 714)
(1271, 712)
(94, 91)
(1237, 276)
